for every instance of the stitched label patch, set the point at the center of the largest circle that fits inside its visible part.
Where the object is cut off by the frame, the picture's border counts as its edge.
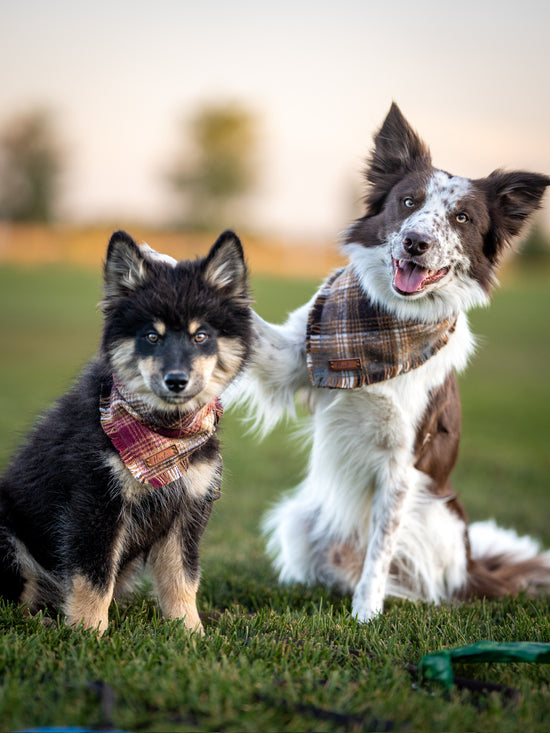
(161, 456)
(340, 365)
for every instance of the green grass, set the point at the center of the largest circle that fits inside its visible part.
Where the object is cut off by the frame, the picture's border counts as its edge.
(282, 659)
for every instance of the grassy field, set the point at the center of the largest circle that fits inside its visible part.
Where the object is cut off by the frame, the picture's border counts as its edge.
(283, 659)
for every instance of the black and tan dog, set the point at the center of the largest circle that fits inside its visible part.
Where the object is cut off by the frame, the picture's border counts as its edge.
(125, 467)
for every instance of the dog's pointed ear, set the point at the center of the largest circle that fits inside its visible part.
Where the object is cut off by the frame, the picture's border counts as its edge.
(224, 267)
(125, 267)
(512, 197)
(397, 150)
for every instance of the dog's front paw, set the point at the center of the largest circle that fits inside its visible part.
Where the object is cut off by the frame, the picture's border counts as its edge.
(364, 609)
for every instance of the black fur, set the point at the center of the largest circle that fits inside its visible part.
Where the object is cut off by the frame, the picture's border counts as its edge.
(67, 507)
(511, 198)
(398, 150)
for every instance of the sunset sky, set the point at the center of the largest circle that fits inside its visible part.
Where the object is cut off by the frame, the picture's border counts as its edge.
(122, 77)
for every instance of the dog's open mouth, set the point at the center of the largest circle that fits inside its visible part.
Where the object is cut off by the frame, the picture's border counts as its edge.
(409, 278)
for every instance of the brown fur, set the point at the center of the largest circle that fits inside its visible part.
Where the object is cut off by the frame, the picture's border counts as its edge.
(436, 450)
(88, 605)
(176, 591)
(497, 576)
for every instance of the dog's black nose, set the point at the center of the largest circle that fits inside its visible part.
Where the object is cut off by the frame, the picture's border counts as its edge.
(176, 381)
(416, 243)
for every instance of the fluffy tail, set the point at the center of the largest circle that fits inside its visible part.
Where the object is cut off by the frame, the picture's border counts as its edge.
(502, 563)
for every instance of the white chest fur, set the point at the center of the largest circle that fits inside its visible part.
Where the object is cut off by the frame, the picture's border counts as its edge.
(361, 470)
(361, 435)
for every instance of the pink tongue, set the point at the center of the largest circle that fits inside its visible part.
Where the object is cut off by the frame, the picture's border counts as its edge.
(410, 277)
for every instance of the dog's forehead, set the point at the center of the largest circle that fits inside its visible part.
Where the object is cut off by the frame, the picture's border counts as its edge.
(446, 190)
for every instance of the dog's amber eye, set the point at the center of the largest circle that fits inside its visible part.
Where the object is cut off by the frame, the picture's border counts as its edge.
(462, 218)
(408, 202)
(200, 337)
(152, 337)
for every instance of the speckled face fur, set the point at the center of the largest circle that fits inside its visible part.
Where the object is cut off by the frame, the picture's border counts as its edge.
(430, 242)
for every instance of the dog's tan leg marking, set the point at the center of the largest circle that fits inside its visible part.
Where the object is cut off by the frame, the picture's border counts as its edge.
(177, 593)
(88, 605)
(30, 595)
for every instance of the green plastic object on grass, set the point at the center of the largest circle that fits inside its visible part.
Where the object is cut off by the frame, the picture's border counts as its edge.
(439, 665)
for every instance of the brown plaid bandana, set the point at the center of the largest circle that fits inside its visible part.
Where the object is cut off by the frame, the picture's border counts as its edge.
(351, 342)
(155, 454)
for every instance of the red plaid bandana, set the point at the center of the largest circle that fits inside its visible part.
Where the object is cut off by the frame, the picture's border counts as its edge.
(155, 454)
(351, 342)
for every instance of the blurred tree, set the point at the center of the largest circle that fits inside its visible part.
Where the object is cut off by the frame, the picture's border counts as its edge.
(31, 162)
(214, 175)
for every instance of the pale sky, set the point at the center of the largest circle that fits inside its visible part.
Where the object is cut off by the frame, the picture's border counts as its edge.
(121, 75)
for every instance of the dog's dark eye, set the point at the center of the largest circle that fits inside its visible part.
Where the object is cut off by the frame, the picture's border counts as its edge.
(408, 202)
(200, 337)
(152, 337)
(462, 218)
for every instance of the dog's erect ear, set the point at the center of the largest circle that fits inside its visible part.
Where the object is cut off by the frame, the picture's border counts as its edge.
(125, 267)
(397, 151)
(224, 267)
(512, 197)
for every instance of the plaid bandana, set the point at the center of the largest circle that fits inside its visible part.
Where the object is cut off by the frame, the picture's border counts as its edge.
(155, 453)
(351, 342)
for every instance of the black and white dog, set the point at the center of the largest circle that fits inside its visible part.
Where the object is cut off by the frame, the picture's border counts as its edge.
(376, 351)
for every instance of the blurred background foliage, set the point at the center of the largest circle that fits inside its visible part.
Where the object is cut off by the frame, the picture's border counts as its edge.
(32, 160)
(210, 174)
(214, 169)
(209, 178)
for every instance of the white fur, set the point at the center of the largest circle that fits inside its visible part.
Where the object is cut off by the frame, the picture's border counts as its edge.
(487, 539)
(360, 471)
(373, 267)
(363, 499)
(152, 254)
(443, 197)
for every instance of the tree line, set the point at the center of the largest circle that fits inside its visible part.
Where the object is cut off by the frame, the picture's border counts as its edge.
(213, 169)
(211, 174)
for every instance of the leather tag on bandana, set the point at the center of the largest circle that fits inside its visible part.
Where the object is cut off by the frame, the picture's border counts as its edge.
(161, 456)
(341, 365)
